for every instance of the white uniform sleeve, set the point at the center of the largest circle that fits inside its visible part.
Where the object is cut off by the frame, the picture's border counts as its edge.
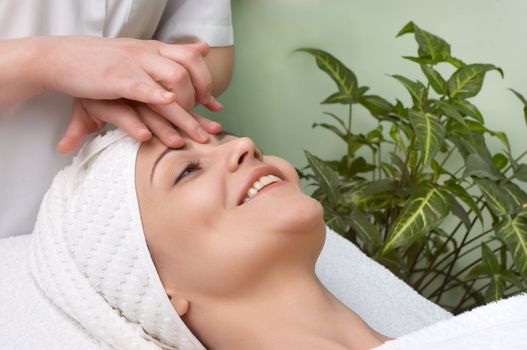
(201, 20)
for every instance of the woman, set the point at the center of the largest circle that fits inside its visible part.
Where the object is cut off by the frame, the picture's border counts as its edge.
(234, 249)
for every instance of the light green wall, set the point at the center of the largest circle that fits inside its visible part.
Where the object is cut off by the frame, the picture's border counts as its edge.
(274, 95)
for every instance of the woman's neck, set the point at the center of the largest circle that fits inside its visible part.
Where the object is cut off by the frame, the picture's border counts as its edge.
(299, 314)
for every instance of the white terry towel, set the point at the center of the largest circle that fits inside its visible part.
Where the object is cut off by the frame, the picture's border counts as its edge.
(500, 325)
(385, 302)
(29, 321)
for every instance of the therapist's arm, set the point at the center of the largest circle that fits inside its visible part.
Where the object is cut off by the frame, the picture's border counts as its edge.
(220, 61)
(103, 68)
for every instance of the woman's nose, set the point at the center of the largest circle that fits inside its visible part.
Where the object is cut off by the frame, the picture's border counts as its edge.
(243, 151)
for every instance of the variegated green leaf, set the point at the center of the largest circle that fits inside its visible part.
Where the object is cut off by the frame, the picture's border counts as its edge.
(377, 105)
(332, 128)
(429, 132)
(342, 76)
(447, 109)
(480, 167)
(497, 284)
(368, 232)
(424, 210)
(338, 97)
(524, 101)
(430, 45)
(517, 197)
(520, 96)
(435, 79)
(521, 172)
(416, 89)
(500, 161)
(468, 109)
(514, 232)
(469, 140)
(467, 81)
(497, 199)
(337, 119)
(461, 193)
(458, 210)
(326, 177)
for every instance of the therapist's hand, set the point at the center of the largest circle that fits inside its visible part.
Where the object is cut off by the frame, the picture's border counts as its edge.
(137, 119)
(113, 71)
(148, 71)
(107, 68)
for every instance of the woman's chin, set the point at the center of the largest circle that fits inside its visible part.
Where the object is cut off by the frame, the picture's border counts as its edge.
(293, 211)
(286, 208)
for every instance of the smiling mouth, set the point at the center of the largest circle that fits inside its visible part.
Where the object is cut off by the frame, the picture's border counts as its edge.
(265, 189)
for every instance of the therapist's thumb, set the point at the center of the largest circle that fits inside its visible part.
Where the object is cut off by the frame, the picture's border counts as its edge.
(81, 125)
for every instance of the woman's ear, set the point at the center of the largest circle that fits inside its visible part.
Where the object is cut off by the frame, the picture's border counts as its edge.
(180, 303)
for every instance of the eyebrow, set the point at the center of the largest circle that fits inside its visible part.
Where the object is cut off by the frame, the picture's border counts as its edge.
(167, 150)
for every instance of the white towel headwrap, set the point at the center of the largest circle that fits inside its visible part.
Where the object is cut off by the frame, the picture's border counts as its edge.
(90, 257)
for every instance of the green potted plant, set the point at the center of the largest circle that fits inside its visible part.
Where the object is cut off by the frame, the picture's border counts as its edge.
(442, 225)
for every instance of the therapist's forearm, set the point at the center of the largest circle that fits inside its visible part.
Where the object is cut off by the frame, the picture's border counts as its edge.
(220, 61)
(17, 79)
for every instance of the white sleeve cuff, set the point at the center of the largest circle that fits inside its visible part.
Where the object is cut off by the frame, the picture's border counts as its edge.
(197, 20)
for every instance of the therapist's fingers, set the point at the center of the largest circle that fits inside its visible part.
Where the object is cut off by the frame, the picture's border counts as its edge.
(120, 114)
(192, 59)
(81, 125)
(182, 120)
(139, 87)
(160, 126)
(211, 126)
(172, 76)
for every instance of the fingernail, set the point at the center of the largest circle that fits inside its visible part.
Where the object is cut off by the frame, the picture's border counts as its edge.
(202, 134)
(167, 95)
(174, 140)
(143, 132)
(207, 99)
(216, 103)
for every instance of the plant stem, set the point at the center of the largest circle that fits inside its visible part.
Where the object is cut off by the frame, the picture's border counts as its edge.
(453, 262)
(451, 237)
(379, 160)
(417, 256)
(463, 298)
(349, 120)
(447, 156)
(461, 255)
(454, 285)
(373, 175)
(466, 244)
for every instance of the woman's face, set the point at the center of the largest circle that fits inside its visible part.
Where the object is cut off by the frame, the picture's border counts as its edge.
(205, 241)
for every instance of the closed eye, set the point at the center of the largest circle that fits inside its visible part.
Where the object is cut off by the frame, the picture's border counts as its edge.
(189, 168)
(195, 165)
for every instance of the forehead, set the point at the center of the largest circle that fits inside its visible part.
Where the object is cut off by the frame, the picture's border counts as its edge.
(156, 146)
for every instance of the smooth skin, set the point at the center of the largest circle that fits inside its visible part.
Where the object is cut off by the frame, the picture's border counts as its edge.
(145, 87)
(241, 277)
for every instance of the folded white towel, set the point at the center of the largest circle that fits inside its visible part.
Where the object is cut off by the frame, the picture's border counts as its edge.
(29, 321)
(500, 325)
(384, 301)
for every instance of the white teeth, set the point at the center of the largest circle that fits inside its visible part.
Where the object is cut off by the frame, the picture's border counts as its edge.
(275, 177)
(266, 180)
(259, 184)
